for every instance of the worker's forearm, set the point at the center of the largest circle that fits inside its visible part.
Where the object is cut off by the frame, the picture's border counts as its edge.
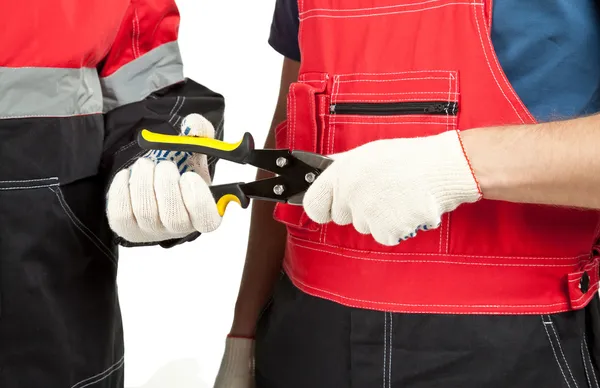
(554, 163)
(266, 245)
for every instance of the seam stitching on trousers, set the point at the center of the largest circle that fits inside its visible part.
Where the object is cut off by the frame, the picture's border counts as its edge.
(561, 351)
(390, 352)
(544, 323)
(102, 375)
(587, 350)
(28, 187)
(587, 373)
(32, 180)
(384, 346)
(81, 226)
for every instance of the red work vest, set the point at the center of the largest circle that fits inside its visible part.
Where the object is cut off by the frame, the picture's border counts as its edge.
(406, 68)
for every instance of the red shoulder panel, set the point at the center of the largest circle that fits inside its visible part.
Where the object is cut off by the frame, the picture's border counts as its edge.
(66, 33)
(146, 25)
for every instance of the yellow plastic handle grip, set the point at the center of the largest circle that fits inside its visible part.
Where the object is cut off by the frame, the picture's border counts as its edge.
(204, 142)
(235, 152)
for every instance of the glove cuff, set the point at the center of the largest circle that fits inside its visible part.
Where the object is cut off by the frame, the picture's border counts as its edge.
(238, 358)
(454, 178)
(462, 146)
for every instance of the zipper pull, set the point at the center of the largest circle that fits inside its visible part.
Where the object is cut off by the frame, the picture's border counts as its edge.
(332, 109)
(437, 108)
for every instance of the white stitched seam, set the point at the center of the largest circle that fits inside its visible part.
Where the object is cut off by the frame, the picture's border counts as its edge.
(81, 226)
(490, 4)
(408, 116)
(390, 94)
(507, 83)
(133, 33)
(389, 123)
(579, 305)
(575, 303)
(448, 123)
(585, 362)
(331, 140)
(384, 346)
(174, 106)
(390, 351)
(490, 66)
(590, 358)
(138, 32)
(358, 99)
(554, 351)
(300, 23)
(290, 113)
(386, 13)
(561, 350)
(446, 216)
(391, 79)
(102, 376)
(586, 268)
(132, 38)
(31, 180)
(315, 133)
(294, 118)
(396, 261)
(290, 274)
(50, 115)
(176, 114)
(367, 9)
(435, 254)
(126, 147)
(433, 71)
(28, 187)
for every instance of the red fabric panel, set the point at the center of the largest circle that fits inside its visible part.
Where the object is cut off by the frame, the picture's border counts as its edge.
(66, 33)
(491, 257)
(147, 25)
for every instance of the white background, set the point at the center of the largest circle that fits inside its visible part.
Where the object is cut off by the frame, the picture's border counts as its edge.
(178, 303)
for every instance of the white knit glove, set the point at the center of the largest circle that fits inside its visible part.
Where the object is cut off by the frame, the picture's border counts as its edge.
(393, 188)
(237, 365)
(164, 195)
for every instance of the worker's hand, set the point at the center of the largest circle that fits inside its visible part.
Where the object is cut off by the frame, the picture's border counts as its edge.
(164, 195)
(394, 188)
(237, 365)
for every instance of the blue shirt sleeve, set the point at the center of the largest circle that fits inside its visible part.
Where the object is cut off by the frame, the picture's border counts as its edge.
(284, 29)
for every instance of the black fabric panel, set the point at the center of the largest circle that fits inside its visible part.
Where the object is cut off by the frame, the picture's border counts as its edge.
(304, 341)
(60, 321)
(162, 112)
(68, 148)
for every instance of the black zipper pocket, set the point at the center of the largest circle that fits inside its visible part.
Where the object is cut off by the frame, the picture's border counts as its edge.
(395, 108)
